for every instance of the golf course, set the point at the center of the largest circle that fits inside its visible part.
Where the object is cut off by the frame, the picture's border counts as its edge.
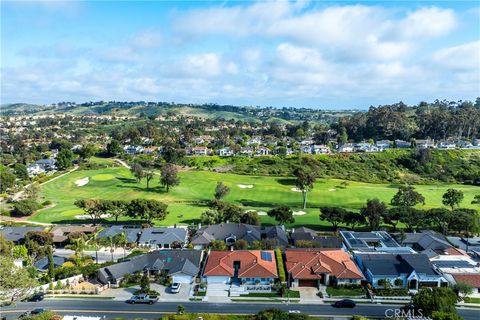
(188, 200)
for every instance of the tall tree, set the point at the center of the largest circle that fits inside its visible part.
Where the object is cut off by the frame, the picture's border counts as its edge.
(282, 214)
(407, 197)
(7, 179)
(147, 209)
(305, 178)
(87, 151)
(373, 213)
(65, 158)
(169, 177)
(452, 198)
(221, 190)
(15, 283)
(51, 266)
(148, 177)
(113, 148)
(393, 216)
(91, 207)
(334, 215)
(250, 217)
(435, 299)
(137, 171)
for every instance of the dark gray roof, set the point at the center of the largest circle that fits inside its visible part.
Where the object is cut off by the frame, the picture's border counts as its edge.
(425, 241)
(276, 233)
(304, 230)
(42, 264)
(16, 234)
(163, 235)
(185, 261)
(321, 241)
(389, 264)
(242, 231)
(131, 234)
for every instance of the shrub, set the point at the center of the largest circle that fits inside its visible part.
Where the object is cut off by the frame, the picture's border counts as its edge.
(46, 203)
(281, 268)
(25, 207)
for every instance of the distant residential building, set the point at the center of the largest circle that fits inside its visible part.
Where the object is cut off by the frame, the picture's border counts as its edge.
(231, 232)
(61, 233)
(35, 169)
(383, 144)
(425, 144)
(446, 145)
(412, 271)
(312, 267)
(226, 152)
(306, 234)
(372, 241)
(263, 151)
(17, 234)
(47, 164)
(158, 238)
(249, 267)
(402, 144)
(247, 151)
(345, 148)
(133, 149)
(42, 264)
(131, 234)
(199, 151)
(182, 265)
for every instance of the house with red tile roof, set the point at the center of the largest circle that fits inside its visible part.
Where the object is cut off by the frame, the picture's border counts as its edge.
(472, 279)
(312, 267)
(247, 267)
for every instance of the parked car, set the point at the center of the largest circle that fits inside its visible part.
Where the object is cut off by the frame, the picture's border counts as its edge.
(143, 298)
(34, 312)
(37, 297)
(175, 288)
(344, 303)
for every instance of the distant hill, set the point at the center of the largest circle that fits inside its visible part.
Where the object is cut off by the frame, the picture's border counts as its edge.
(162, 108)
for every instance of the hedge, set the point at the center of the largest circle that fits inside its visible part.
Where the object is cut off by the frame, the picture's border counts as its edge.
(281, 268)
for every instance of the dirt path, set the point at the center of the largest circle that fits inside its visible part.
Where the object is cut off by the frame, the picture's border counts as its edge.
(23, 220)
(123, 163)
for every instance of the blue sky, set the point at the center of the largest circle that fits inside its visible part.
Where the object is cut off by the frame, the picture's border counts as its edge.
(321, 54)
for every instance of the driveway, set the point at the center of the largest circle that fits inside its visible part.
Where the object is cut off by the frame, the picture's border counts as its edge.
(124, 294)
(104, 254)
(308, 294)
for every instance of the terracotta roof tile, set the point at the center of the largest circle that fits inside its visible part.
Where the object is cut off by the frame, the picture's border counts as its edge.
(311, 263)
(471, 279)
(220, 263)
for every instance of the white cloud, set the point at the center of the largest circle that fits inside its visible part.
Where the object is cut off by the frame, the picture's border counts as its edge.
(463, 57)
(428, 22)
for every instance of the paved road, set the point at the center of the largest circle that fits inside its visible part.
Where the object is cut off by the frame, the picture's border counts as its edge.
(113, 309)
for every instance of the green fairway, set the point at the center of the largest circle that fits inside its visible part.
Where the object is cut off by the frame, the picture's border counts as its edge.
(187, 201)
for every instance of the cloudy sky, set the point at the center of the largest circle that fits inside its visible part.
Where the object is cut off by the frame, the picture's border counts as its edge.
(320, 54)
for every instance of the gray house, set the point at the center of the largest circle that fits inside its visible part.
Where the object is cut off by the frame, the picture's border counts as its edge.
(231, 232)
(42, 264)
(17, 234)
(132, 234)
(307, 234)
(162, 238)
(182, 265)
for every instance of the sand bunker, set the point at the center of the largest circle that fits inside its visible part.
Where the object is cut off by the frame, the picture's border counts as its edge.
(296, 189)
(299, 213)
(245, 186)
(82, 182)
(261, 213)
(332, 189)
(87, 217)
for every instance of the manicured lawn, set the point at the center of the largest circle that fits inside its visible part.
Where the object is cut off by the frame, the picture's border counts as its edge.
(472, 300)
(345, 292)
(187, 201)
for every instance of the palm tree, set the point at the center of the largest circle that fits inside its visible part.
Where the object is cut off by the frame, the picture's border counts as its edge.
(77, 245)
(109, 242)
(121, 240)
(95, 241)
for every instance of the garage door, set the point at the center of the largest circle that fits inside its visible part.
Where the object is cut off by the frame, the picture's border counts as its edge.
(307, 283)
(217, 279)
(182, 279)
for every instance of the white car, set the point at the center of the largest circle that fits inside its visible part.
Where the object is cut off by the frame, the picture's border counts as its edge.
(175, 287)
